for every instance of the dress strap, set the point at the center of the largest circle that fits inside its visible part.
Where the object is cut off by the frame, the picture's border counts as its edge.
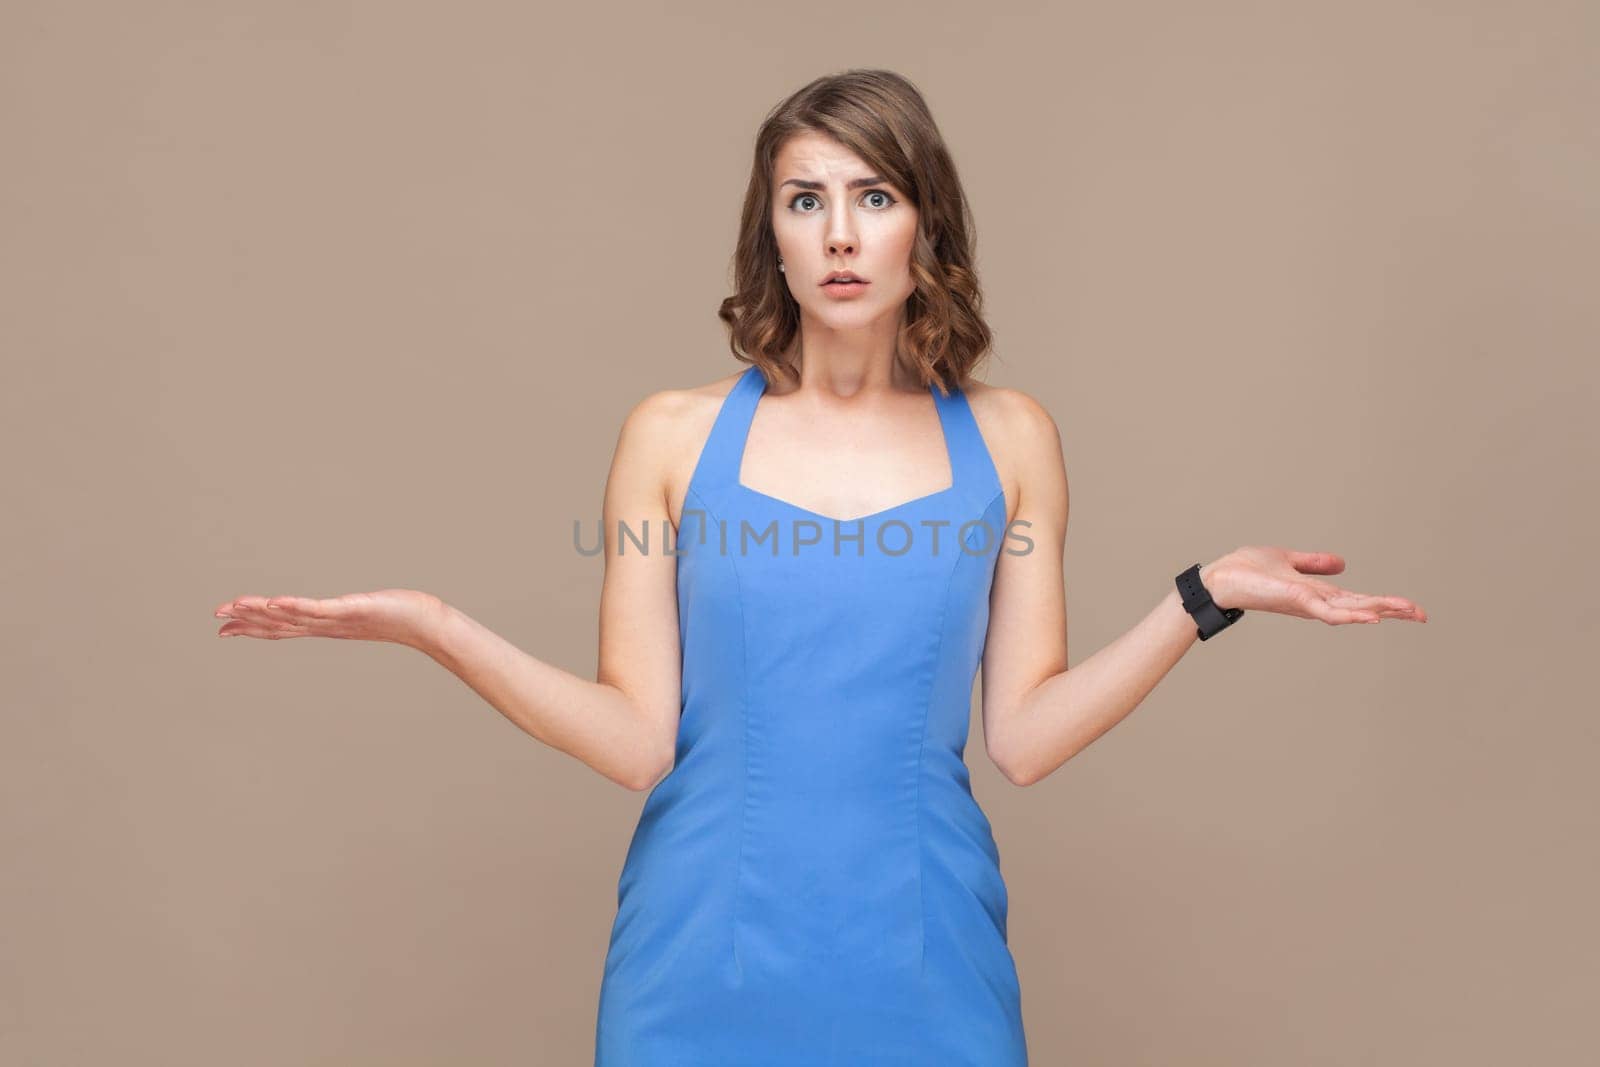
(971, 465)
(724, 448)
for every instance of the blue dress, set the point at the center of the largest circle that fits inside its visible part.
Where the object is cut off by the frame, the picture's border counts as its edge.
(813, 883)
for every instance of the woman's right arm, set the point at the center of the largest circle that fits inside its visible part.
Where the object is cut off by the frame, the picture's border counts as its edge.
(623, 724)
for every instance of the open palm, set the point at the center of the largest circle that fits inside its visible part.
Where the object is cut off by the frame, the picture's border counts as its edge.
(1268, 578)
(400, 616)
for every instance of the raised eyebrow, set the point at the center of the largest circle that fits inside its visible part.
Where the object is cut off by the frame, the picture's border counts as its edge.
(854, 183)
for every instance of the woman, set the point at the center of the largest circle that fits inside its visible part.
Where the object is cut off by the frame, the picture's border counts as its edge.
(857, 524)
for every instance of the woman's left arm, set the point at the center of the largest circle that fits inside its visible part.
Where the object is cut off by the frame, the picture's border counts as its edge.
(1037, 714)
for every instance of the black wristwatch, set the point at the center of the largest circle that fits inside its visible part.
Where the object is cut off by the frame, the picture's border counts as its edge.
(1209, 618)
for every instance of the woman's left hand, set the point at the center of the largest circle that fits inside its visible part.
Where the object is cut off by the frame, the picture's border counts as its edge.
(1267, 578)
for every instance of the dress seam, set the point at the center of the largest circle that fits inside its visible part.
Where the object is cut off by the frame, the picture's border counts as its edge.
(922, 749)
(744, 744)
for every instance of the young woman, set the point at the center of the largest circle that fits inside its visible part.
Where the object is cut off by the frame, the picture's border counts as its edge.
(856, 525)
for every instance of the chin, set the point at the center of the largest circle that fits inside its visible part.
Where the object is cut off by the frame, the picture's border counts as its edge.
(855, 313)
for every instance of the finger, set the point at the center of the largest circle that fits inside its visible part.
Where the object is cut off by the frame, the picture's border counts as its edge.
(237, 606)
(1401, 608)
(279, 608)
(1349, 598)
(1315, 562)
(268, 633)
(262, 618)
(287, 618)
(250, 607)
(256, 616)
(1338, 614)
(1390, 607)
(324, 617)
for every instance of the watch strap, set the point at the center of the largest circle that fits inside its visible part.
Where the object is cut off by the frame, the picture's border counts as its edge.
(1210, 619)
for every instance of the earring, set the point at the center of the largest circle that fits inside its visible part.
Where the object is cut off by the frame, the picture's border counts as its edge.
(780, 263)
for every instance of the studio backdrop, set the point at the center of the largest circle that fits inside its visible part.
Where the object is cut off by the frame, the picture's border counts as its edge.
(320, 298)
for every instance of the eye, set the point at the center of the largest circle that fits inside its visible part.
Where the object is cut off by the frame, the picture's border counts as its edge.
(888, 200)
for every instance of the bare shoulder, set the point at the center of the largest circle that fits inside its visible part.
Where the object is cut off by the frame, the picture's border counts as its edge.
(1023, 439)
(667, 414)
(1012, 412)
(666, 430)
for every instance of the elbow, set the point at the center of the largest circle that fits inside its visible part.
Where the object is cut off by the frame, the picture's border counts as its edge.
(644, 779)
(1016, 771)
(652, 751)
(1017, 775)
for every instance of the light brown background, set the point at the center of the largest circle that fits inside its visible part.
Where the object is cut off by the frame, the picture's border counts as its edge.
(318, 297)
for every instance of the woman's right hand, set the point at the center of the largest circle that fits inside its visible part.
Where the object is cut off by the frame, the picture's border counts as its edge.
(400, 616)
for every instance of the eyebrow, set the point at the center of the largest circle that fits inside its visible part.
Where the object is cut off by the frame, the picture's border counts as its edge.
(854, 183)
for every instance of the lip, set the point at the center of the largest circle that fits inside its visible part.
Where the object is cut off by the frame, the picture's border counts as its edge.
(844, 290)
(850, 274)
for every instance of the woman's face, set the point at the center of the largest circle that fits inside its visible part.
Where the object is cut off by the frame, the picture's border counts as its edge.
(830, 212)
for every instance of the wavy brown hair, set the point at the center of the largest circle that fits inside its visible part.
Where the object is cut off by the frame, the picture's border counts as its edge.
(881, 117)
